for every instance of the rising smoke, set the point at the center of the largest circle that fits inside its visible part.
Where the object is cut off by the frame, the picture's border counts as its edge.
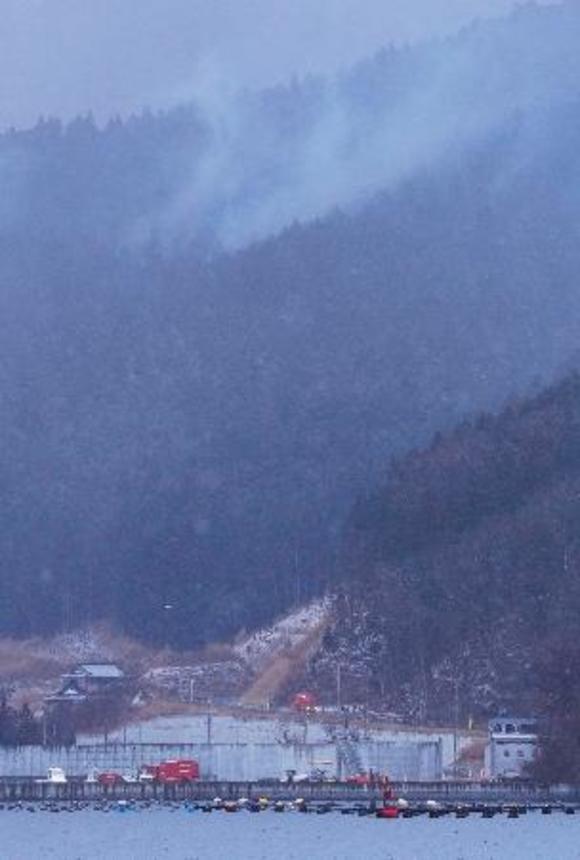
(295, 153)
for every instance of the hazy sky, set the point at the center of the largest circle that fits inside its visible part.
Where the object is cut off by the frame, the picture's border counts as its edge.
(61, 57)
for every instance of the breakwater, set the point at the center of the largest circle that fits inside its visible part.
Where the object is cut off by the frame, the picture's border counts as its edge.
(471, 794)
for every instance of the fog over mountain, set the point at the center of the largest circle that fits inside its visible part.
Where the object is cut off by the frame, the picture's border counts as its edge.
(187, 426)
(233, 168)
(65, 57)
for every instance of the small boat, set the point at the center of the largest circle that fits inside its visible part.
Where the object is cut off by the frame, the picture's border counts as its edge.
(388, 811)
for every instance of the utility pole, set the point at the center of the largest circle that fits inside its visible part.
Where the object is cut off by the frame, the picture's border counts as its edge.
(297, 577)
(338, 686)
(167, 607)
(456, 722)
(209, 722)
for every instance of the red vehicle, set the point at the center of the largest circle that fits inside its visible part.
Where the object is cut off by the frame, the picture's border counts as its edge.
(304, 701)
(361, 779)
(370, 780)
(174, 771)
(109, 777)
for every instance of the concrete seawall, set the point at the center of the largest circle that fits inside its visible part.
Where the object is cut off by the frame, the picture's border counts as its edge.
(236, 761)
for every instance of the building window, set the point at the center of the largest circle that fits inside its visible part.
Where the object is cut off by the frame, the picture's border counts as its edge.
(510, 729)
(506, 753)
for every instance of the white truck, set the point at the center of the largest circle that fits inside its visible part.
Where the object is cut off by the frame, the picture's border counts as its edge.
(55, 776)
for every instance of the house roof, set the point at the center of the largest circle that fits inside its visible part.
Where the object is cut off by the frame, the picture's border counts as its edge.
(69, 694)
(511, 719)
(98, 670)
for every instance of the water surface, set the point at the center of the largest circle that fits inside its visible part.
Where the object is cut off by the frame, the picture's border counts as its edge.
(157, 833)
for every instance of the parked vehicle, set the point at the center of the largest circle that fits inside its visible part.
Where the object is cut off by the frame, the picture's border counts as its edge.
(360, 779)
(171, 771)
(316, 775)
(301, 777)
(130, 776)
(109, 777)
(55, 776)
(305, 702)
(146, 774)
(368, 779)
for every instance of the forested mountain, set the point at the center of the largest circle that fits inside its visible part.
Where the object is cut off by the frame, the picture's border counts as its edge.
(186, 427)
(462, 573)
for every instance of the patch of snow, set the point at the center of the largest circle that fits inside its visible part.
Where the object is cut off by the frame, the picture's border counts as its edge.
(258, 649)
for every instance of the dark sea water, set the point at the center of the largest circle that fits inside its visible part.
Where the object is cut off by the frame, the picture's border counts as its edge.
(154, 834)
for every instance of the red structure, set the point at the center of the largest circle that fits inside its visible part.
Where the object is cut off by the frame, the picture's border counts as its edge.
(371, 779)
(390, 808)
(174, 771)
(304, 701)
(109, 778)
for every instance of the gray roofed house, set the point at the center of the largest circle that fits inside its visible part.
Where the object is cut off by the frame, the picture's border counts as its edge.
(69, 693)
(95, 677)
(101, 671)
(93, 685)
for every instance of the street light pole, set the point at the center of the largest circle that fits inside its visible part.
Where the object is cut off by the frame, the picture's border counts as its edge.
(456, 722)
(167, 607)
(209, 722)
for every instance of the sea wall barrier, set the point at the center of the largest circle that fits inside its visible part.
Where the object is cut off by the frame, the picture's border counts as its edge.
(402, 760)
(21, 789)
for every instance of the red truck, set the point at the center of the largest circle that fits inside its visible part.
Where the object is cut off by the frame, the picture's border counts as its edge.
(109, 777)
(171, 771)
(369, 779)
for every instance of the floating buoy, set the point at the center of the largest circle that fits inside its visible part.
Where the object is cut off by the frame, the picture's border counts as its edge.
(387, 812)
